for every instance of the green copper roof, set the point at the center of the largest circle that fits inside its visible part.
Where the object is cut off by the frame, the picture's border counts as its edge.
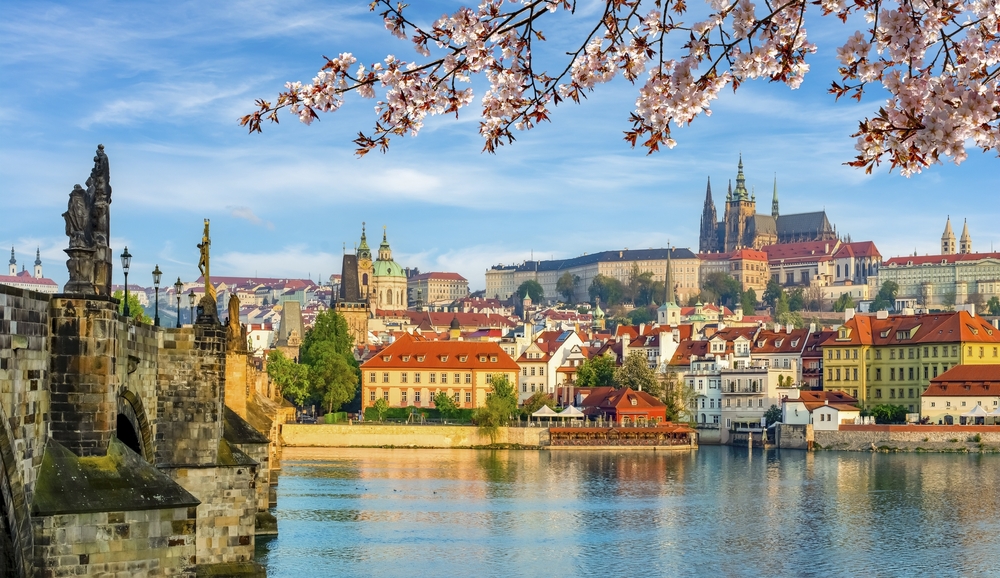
(388, 269)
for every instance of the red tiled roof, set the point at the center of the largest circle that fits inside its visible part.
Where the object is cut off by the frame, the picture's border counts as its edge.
(609, 397)
(858, 250)
(807, 251)
(836, 399)
(937, 259)
(441, 354)
(749, 255)
(781, 342)
(439, 276)
(713, 256)
(966, 380)
(955, 327)
(25, 277)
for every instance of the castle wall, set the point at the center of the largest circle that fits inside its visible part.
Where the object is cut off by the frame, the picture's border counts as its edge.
(139, 543)
(227, 513)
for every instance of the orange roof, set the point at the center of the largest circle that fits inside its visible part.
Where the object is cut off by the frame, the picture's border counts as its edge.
(410, 353)
(609, 397)
(807, 251)
(937, 259)
(967, 380)
(836, 399)
(955, 327)
(749, 255)
(768, 341)
(858, 249)
(438, 276)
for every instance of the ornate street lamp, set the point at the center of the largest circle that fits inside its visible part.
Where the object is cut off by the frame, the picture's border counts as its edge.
(178, 287)
(191, 304)
(126, 262)
(156, 288)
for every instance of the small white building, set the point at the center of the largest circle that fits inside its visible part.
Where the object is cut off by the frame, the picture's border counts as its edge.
(825, 410)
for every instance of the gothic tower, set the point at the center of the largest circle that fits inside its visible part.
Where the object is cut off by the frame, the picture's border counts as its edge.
(38, 263)
(708, 240)
(965, 241)
(13, 263)
(740, 209)
(365, 269)
(948, 239)
(774, 199)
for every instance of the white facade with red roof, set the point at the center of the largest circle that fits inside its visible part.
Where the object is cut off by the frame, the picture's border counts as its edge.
(27, 280)
(436, 288)
(541, 359)
(936, 280)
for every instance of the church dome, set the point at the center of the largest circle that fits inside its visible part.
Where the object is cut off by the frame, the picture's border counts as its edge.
(385, 266)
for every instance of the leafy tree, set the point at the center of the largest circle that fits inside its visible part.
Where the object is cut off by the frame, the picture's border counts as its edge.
(499, 407)
(445, 404)
(888, 413)
(772, 415)
(721, 286)
(532, 289)
(635, 373)
(772, 292)
(135, 309)
(845, 301)
(609, 289)
(948, 299)
(886, 297)
(537, 401)
(749, 301)
(598, 371)
(329, 327)
(291, 378)
(566, 285)
(679, 398)
(781, 306)
(796, 299)
(641, 315)
(331, 377)
(381, 406)
(793, 318)
(993, 305)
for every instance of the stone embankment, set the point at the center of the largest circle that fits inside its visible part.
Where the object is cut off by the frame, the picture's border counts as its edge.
(405, 436)
(911, 438)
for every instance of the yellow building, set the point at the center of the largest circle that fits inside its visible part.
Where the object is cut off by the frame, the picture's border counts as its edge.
(893, 358)
(411, 371)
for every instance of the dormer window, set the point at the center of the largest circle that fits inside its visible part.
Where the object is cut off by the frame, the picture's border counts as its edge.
(443, 358)
(405, 358)
(634, 402)
(463, 358)
(386, 357)
(482, 359)
(493, 359)
(420, 358)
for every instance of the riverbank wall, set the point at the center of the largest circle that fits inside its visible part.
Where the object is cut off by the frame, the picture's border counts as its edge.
(403, 436)
(910, 438)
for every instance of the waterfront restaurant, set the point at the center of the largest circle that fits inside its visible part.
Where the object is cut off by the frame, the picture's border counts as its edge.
(958, 391)
(624, 406)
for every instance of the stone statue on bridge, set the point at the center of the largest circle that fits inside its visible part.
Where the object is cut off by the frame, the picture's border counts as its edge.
(209, 302)
(88, 226)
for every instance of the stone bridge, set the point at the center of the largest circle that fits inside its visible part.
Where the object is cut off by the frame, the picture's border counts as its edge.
(118, 454)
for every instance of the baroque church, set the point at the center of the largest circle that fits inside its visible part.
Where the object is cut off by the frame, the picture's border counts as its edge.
(369, 286)
(742, 227)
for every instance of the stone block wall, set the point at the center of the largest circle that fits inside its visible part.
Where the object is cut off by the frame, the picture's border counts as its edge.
(227, 512)
(189, 392)
(24, 410)
(139, 543)
(82, 341)
(259, 453)
(237, 391)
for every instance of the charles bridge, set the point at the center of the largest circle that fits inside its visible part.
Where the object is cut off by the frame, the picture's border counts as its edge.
(127, 449)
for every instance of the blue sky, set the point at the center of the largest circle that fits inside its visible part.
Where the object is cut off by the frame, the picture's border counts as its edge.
(162, 85)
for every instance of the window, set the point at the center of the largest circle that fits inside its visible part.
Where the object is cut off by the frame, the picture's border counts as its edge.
(371, 377)
(416, 378)
(541, 371)
(385, 377)
(416, 397)
(925, 372)
(402, 377)
(934, 351)
(468, 378)
(910, 353)
(371, 395)
(524, 388)
(932, 404)
(458, 378)
(524, 371)
(911, 373)
(711, 404)
(878, 393)
(855, 374)
(532, 388)
(433, 377)
(455, 397)
(385, 395)
(739, 402)
(935, 371)
(892, 374)
(892, 354)
(878, 374)
(892, 393)
(854, 353)
(728, 403)
(829, 354)
(838, 354)
(468, 397)
(489, 377)
(760, 402)
(402, 397)
(532, 371)
(838, 374)
(444, 377)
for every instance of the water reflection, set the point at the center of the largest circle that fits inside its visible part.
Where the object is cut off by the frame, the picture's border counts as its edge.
(717, 511)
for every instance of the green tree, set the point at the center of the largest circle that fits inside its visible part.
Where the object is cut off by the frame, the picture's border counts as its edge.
(135, 309)
(948, 299)
(500, 405)
(749, 301)
(609, 289)
(532, 289)
(888, 413)
(381, 406)
(886, 297)
(291, 378)
(679, 398)
(793, 318)
(641, 315)
(598, 371)
(772, 415)
(993, 305)
(537, 401)
(332, 379)
(635, 373)
(771, 293)
(796, 299)
(845, 301)
(445, 405)
(781, 306)
(721, 286)
(566, 285)
(329, 327)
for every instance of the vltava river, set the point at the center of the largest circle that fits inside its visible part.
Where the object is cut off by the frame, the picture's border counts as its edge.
(718, 511)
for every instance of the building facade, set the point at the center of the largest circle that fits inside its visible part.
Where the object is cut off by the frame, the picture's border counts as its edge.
(436, 288)
(33, 281)
(388, 290)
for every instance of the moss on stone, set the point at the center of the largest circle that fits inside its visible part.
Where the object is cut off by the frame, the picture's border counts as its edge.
(234, 569)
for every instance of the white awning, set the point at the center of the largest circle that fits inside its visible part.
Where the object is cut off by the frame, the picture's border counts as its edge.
(977, 411)
(994, 413)
(571, 412)
(545, 411)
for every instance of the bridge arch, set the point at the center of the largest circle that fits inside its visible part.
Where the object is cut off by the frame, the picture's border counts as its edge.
(133, 426)
(15, 530)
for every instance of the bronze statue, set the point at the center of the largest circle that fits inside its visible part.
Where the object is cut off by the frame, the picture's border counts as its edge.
(203, 265)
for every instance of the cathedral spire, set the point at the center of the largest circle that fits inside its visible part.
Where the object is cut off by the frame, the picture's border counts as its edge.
(13, 261)
(965, 241)
(741, 183)
(948, 239)
(774, 199)
(708, 234)
(363, 251)
(729, 193)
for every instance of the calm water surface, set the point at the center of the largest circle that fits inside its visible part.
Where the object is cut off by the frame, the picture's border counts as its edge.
(718, 511)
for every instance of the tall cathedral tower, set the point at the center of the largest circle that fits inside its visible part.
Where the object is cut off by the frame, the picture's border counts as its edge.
(366, 270)
(708, 240)
(965, 241)
(774, 199)
(740, 209)
(948, 239)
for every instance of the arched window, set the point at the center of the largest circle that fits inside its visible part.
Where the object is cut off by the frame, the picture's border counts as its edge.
(364, 279)
(388, 297)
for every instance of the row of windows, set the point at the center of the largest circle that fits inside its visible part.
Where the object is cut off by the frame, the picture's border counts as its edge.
(534, 387)
(404, 395)
(739, 402)
(948, 403)
(895, 374)
(524, 371)
(910, 352)
(432, 377)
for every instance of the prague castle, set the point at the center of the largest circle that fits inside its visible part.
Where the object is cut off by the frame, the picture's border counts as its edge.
(742, 227)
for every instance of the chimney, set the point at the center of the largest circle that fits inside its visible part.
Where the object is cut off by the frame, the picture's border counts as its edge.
(642, 328)
(826, 401)
(777, 328)
(882, 314)
(812, 328)
(848, 314)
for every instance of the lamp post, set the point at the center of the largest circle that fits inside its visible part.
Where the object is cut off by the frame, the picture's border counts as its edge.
(191, 304)
(156, 289)
(126, 262)
(178, 287)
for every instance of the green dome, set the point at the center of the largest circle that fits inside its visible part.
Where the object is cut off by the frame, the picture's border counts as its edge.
(388, 269)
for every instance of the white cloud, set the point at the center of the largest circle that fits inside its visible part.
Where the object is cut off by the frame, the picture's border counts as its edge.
(247, 214)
